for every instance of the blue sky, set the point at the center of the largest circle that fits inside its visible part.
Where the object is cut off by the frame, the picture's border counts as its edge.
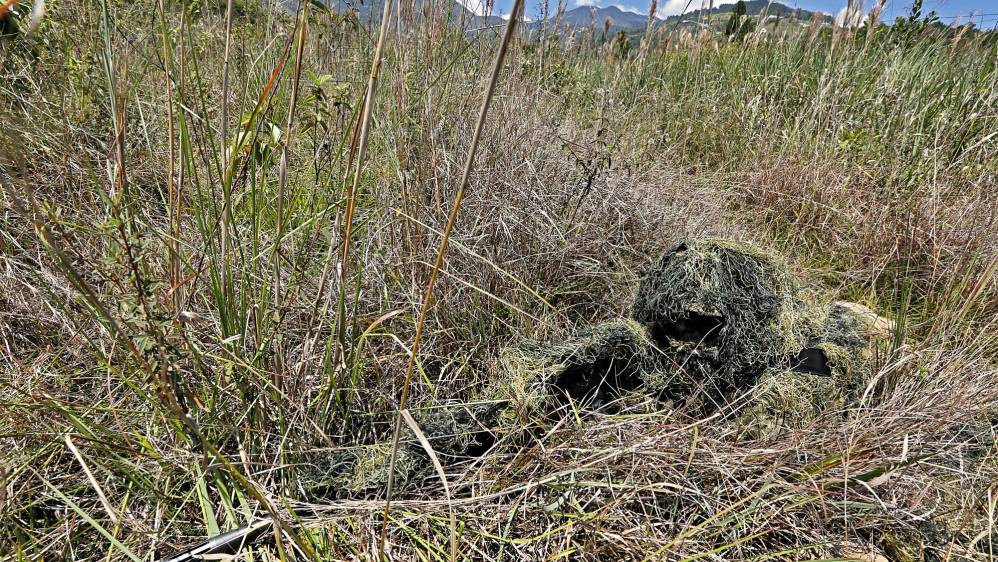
(987, 10)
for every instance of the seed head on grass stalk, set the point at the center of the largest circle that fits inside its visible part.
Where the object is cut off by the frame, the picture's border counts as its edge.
(438, 263)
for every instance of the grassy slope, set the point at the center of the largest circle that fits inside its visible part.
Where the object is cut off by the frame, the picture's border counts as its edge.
(129, 295)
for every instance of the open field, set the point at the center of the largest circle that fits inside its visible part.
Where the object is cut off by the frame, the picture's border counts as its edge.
(215, 254)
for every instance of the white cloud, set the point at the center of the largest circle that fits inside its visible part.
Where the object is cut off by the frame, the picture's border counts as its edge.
(584, 3)
(477, 7)
(630, 9)
(676, 7)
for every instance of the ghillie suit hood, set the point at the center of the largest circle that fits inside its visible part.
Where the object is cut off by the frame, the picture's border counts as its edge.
(724, 312)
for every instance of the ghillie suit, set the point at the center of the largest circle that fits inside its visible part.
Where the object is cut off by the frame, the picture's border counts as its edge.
(832, 372)
(713, 320)
(455, 432)
(845, 346)
(723, 312)
(593, 367)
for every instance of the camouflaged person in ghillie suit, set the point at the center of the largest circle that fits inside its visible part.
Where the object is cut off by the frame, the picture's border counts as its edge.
(713, 320)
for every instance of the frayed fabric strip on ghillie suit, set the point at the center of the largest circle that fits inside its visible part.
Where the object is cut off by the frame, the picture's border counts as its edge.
(723, 312)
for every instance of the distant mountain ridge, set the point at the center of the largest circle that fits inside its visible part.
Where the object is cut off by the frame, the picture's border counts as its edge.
(369, 11)
(583, 16)
(757, 8)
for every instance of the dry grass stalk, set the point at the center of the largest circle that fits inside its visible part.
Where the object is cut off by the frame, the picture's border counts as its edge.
(442, 251)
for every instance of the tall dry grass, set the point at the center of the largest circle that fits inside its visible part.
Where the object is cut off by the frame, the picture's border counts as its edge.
(186, 339)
